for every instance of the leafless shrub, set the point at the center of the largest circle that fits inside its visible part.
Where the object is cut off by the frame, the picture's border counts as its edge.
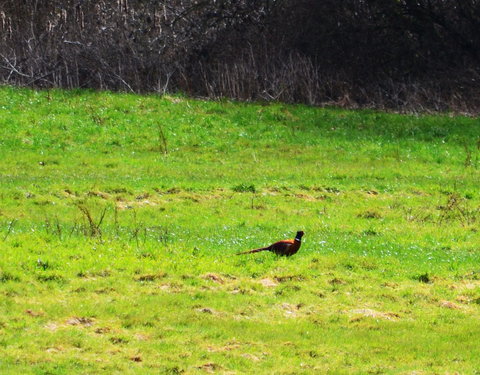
(352, 53)
(418, 215)
(458, 209)
(54, 228)
(10, 227)
(92, 227)
(162, 140)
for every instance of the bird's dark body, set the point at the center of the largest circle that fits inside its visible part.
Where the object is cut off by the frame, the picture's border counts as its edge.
(283, 248)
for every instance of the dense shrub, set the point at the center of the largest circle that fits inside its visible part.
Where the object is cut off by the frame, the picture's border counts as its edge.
(402, 54)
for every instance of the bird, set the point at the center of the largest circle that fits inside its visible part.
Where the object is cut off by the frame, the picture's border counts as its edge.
(283, 248)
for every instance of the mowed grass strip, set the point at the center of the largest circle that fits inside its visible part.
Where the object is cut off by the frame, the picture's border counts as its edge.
(121, 216)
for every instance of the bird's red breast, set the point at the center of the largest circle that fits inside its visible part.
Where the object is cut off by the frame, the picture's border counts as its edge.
(291, 241)
(285, 247)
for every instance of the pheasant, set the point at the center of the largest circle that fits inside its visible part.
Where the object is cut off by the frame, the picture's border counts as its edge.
(284, 248)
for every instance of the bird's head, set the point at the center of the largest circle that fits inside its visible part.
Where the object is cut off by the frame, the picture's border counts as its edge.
(299, 235)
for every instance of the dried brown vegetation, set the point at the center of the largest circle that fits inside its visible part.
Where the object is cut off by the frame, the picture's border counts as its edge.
(403, 55)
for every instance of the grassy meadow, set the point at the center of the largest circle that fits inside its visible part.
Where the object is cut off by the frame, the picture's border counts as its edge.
(120, 218)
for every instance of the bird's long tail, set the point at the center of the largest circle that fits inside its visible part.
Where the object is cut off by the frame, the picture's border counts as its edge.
(255, 250)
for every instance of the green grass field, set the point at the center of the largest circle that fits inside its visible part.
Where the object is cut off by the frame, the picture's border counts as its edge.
(120, 218)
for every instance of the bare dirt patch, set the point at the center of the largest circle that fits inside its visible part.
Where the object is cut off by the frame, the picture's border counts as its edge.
(226, 348)
(210, 367)
(102, 330)
(290, 310)
(52, 326)
(251, 357)
(268, 283)
(80, 321)
(336, 281)
(450, 305)
(213, 277)
(307, 197)
(99, 194)
(150, 277)
(286, 278)
(73, 321)
(128, 205)
(206, 310)
(369, 313)
(34, 314)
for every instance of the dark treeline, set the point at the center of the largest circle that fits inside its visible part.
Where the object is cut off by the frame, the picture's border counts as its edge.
(399, 54)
